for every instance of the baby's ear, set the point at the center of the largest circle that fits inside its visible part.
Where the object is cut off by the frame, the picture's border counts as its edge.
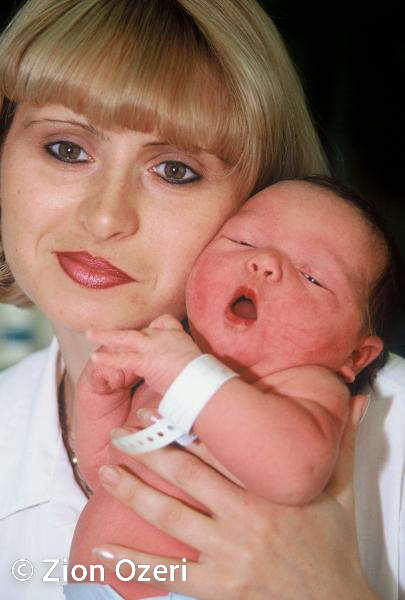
(368, 349)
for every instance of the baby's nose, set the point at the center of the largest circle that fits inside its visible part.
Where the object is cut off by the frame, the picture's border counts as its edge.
(265, 264)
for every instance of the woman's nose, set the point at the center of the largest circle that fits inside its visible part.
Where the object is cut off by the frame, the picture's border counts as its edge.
(109, 211)
(265, 263)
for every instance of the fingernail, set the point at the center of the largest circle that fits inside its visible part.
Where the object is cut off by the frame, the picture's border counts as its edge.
(109, 475)
(146, 414)
(103, 553)
(119, 432)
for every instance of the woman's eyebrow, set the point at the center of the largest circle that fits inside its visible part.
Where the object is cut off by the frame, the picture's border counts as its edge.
(165, 144)
(90, 128)
(200, 154)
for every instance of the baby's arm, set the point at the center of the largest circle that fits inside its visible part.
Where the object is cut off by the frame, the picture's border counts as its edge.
(280, 440)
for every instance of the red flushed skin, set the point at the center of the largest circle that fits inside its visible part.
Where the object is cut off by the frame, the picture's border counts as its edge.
(91, 271)
(269, 252)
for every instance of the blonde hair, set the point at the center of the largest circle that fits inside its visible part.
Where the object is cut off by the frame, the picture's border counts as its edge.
(205, 74)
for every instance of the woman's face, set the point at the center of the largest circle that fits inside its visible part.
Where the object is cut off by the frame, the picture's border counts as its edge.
(101, 228)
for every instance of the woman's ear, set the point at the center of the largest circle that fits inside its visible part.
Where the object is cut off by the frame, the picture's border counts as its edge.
(368, 349)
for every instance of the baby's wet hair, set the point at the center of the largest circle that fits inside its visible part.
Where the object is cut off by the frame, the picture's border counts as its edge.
(386, 296)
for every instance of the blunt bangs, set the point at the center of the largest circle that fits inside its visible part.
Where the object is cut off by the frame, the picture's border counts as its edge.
(143, 65)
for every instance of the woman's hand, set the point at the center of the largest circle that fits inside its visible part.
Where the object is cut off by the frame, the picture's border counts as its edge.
(250, 548)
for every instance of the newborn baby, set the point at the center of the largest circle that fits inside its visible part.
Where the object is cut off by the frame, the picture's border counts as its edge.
(281, 298)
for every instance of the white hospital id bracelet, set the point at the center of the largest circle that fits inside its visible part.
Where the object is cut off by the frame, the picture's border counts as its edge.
(192, 389)
(160, 434)
(180, 406)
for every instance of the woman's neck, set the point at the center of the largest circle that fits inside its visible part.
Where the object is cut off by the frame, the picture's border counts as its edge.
(75, 349)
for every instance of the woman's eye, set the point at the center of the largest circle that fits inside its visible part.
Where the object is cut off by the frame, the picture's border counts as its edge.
(67, 152)
(311, 279)
(174, 171)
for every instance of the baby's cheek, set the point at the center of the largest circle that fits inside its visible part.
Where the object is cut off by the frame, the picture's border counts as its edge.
(305, 330)
(319, 340)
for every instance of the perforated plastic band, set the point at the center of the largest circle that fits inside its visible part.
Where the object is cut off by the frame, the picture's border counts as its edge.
(192, 389)
(160, 434)
(180, 406)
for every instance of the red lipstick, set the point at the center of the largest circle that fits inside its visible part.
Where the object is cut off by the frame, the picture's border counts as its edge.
(91, 271)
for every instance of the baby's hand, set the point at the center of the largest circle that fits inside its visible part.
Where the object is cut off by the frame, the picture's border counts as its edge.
(158, 353)
(105, 379)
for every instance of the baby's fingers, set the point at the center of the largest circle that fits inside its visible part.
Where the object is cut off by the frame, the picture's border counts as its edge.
(118, 341)
(130, 363)
(166, 322)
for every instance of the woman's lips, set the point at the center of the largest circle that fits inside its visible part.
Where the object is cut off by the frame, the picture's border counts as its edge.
(91, 271)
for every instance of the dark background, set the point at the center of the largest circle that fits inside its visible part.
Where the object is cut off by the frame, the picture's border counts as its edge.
(352, 65)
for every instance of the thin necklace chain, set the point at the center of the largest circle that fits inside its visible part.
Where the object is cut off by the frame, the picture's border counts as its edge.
(65, 438)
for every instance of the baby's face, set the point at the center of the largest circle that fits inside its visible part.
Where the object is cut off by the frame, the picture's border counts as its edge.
(285, 282)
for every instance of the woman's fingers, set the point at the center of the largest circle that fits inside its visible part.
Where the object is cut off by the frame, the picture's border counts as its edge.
(233, 557)
(194, 477)
(251, 548)
(165, 512)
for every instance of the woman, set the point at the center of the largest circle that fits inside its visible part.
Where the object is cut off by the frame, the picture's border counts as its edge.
(132, 131)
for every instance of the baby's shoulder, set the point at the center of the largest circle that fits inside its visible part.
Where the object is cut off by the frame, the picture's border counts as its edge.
(306, 381)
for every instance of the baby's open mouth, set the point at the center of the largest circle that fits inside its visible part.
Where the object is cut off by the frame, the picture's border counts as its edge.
(243, 305)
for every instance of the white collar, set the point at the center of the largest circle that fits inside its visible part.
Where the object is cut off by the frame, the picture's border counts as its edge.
(29, 430)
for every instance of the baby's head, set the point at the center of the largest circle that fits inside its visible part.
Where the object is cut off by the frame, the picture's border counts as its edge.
(303, 274)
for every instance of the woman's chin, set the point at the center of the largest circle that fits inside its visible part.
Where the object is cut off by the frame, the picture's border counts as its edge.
(79, 309)
(80, 317)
